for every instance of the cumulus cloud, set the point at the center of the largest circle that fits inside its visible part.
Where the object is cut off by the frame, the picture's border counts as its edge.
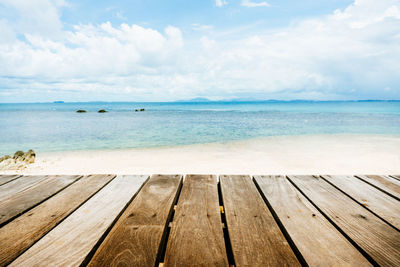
(90, 50)
(248, 3)
(351, 53)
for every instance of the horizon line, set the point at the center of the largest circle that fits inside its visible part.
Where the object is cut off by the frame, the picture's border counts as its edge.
(206, 101)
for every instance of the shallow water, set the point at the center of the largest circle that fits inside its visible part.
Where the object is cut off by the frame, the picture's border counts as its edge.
(49, 127)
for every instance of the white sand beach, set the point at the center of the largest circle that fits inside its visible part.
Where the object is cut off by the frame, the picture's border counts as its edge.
(311, 154)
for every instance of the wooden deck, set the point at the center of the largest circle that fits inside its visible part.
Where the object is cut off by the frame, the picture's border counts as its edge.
(199, 220)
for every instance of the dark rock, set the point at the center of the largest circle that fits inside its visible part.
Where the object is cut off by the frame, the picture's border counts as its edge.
(19, 161)
(81, 111)
(18, 154)
(136, 110)
(5, 157)
(142, 109)
(29, 157)
(102, 111)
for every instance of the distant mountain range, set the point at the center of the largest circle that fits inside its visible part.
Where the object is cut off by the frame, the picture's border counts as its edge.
(197, 99)
(204, 99)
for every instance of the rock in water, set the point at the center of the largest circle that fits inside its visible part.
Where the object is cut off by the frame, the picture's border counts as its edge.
(142, 109)
(102, 111)
(81, 111)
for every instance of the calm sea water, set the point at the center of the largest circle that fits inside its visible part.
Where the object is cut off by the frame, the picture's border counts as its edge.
(49, 127)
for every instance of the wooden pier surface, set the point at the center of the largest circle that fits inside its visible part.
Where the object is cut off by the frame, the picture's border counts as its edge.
(199, 220)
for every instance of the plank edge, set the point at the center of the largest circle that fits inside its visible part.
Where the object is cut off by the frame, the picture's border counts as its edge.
(96, 246)
(285, 233)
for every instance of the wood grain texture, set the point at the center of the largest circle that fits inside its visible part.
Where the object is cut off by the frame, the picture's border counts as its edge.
(26, 199)
(385, 183)
(4, 178)
(135, 238)
(395, 176)
(373, 199)
(24, 231)
(9, 189)
(71, 241)
(318, 241)
(255, 236)
(196, 237)
(375, 237)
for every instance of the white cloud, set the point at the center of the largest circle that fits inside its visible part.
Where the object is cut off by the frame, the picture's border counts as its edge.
(174, 36)
(351, 53)
(207, 42)
(249, 3)
(220, 3)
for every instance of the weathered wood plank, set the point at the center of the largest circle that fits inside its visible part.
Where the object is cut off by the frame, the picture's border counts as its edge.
(136, 237)
(318, 241)
(196, 237)
(375, 237)
(373, 199)
(72, 240)
(255, 236)
(26, 199)
(395, 176)
(24, 231)
(9, 189)
(387, 184)
(4, 178)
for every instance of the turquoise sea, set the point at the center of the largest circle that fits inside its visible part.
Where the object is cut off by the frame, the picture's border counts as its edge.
(47, 127)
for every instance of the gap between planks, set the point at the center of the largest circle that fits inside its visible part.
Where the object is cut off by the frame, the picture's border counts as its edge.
(81, 230)
(21, 233)
(375, 239)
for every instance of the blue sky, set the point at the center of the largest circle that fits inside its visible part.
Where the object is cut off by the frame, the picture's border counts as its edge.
(183, 13)
(219, 49)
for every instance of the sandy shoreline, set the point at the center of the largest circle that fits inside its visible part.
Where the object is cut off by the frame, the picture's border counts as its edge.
(312, 154)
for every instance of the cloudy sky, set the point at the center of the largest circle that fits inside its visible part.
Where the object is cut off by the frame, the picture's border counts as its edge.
(147, 50)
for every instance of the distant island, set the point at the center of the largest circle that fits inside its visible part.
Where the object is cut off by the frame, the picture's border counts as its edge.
(58, 102)
(203, 99)
(197, 99)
